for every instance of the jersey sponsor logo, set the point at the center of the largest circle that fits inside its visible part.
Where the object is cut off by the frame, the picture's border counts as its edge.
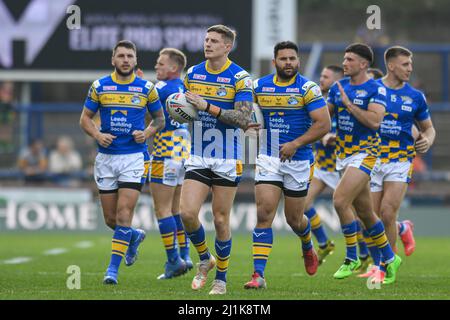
(406, 108)
(135, 99)
(292, 90)
(316, 90)
(149, 85)
(221, 91)
(109, 88)
(268, 89)
(135, 89)
(199, 76)
(248, 83)
(241, 74)
(223, 80)
(361, 93)
(358, 102)
(382, 90)
(307, 85)
(160, 84)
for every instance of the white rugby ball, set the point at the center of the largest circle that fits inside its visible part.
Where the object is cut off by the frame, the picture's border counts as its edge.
(180, 109)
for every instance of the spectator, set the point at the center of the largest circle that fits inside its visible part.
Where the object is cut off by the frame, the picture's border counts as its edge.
(33, 162)
(6, 117)
(64, 162)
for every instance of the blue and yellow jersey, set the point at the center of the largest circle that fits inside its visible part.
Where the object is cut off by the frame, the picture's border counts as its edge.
(286, 108)
(122, 107)
(352, 136)
(212, 138)
(173, 141)
(325, 156)
(404, 106)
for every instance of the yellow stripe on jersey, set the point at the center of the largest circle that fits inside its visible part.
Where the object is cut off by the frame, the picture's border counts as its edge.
(93, 93)
(152, 95)
(280, 100)
(131, 100)
(213, 91)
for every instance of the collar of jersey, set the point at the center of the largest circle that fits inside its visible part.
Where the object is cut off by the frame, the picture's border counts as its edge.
(114, 78)
(224, 67)
(284, 84)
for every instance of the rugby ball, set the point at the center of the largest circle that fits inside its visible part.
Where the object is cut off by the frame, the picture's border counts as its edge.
(180, 109)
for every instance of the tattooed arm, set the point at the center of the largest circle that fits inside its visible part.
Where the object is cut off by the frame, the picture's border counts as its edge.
(240, 116)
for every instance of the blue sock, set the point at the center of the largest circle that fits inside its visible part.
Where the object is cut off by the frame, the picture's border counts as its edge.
(262, 245)
(363, 251)
(120, 242)
(349, 231)
(373, 249)
(183, 240)
(199, 241)
(305, 237)
(168, 230)
(223, 249)
(134, 235)
(378, 235)
(317, 228)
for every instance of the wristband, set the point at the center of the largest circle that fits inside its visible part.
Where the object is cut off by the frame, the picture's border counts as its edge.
(208, 105)
(214, 110)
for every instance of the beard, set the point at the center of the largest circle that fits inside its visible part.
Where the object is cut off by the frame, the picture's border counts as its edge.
(124, 74)
(282, 74)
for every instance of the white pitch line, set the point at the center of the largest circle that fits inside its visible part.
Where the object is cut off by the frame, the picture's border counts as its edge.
(17, 260)
(55, 251)
(84, 244)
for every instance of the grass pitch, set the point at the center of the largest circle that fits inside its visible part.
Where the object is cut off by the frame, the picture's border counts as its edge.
(424, 275)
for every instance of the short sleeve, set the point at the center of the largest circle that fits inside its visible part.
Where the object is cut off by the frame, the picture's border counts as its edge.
(379, 96)
(312, 96)
(331, 99)
(92, 101)
(153, 100)
(423, 112)
(243, 87)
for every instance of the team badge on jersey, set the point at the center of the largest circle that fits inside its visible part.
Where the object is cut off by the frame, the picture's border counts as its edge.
(135, 99)
(222, 91)
(361, 93)
(407, 100)
(292, 100)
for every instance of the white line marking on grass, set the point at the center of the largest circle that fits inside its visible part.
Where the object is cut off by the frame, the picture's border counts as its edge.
(84, 244)
(17, 260)
(55, 251)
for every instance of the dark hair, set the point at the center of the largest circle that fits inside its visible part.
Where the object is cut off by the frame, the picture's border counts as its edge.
(226, 32)
(377, 73)
(284, 45)
(362, 50)
(176, 56)
(396, 51)
(126, 44)
(335, 69)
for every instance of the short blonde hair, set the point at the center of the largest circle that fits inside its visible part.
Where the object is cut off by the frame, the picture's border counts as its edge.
(176, 56)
